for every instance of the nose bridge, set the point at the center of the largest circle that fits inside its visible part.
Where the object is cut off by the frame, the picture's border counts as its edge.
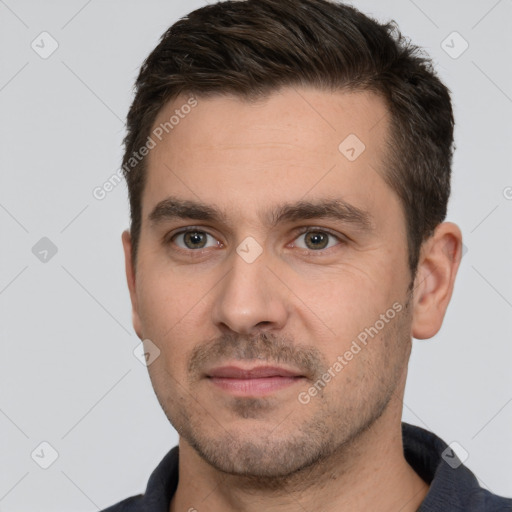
(249, 297)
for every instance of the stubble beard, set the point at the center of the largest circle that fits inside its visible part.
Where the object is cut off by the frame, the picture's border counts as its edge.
(286, 455)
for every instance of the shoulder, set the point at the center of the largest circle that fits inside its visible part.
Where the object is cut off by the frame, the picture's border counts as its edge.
(452, 486)
(159, 491)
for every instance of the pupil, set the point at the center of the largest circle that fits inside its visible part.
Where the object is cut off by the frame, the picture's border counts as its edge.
(316, 240)
(195, 240)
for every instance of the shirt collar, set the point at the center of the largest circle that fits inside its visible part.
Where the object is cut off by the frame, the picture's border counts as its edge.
(453, 487)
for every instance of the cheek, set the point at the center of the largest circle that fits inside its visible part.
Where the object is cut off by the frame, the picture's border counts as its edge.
(173, 314)
(165, 289)
(342, 311)
(348, 297)
(156, 297)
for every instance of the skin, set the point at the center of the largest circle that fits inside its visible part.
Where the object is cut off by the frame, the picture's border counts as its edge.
(299, 305)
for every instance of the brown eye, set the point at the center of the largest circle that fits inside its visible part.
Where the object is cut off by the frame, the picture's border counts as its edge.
(316, 240)
(194, 239)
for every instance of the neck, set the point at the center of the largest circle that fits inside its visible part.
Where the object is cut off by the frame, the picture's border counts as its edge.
(369, 471)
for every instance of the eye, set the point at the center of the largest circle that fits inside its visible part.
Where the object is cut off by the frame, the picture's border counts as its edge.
(194, 239)
(316, 240)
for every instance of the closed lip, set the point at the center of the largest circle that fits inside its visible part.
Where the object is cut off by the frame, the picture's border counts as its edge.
(256, 372)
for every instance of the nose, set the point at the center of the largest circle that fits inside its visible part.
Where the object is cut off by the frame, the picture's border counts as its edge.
(250, 298)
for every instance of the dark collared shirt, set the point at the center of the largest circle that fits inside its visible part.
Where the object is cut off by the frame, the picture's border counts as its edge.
(453, 487)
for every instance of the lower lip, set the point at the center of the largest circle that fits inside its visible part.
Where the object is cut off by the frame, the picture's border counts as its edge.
(254, 387)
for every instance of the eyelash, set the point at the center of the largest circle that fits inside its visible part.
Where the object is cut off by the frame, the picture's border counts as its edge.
(168, 239)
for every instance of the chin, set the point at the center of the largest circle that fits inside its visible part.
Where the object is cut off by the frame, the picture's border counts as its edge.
(261, 455)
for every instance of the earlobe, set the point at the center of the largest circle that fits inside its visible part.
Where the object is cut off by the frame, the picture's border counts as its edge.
(131, 281)
(433, 286)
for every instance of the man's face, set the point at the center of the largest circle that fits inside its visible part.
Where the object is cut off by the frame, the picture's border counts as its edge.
(274, 279)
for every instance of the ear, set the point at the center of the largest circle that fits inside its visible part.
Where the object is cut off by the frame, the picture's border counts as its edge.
(433, 285)
(130, 277)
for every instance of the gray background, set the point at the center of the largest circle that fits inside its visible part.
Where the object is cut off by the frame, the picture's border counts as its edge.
(67, 369)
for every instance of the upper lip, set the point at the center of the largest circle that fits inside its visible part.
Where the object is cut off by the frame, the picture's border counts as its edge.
(256, 372)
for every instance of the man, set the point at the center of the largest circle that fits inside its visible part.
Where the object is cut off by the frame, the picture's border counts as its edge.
(288, 165)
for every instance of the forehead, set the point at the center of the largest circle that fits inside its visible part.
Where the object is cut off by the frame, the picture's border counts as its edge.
(294, 144)
(291, 113)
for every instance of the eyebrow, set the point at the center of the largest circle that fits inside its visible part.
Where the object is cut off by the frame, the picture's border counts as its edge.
(173, 208)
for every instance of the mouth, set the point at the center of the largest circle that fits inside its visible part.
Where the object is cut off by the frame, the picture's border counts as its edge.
(253, 381)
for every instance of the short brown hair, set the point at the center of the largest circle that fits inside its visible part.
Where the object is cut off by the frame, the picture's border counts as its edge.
(251, 48)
